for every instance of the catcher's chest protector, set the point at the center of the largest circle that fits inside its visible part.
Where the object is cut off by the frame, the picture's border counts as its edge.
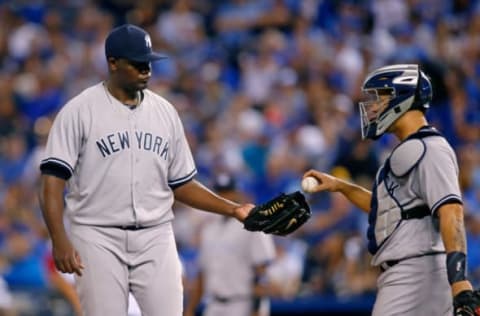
(391, 195)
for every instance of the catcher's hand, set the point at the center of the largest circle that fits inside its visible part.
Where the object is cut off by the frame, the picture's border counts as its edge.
(280, 216)
(467, 303)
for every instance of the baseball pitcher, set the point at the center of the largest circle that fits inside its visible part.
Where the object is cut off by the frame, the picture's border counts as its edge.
(120, 152)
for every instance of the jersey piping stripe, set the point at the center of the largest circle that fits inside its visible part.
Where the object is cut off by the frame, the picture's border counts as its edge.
(58, 161)
(409, 202)
(448, 198)
(187, 178)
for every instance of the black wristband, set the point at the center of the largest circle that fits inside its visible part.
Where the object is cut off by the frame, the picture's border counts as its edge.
(456, 266)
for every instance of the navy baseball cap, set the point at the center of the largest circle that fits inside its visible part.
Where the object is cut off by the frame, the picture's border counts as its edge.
(132, 43)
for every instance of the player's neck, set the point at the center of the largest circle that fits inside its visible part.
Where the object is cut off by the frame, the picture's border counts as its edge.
(408, 124)
(127, 97)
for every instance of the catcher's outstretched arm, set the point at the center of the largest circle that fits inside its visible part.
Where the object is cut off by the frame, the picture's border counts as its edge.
(358, 195)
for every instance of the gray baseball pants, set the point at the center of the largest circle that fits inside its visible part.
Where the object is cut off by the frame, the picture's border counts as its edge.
(144, 262)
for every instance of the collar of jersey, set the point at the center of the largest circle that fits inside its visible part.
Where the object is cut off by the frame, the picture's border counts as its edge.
(114, 100)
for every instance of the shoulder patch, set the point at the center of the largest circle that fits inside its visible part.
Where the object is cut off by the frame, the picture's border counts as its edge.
(407, 156)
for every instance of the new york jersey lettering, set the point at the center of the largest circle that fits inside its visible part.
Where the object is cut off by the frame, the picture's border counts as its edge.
(120, 141)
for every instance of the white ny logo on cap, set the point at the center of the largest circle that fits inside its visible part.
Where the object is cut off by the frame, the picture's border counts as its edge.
(148, 41)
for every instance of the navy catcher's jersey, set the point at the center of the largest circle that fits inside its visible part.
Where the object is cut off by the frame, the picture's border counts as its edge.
(417, 175)
(121, 164)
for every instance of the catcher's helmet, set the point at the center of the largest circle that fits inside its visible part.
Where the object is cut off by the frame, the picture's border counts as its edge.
(391, 91)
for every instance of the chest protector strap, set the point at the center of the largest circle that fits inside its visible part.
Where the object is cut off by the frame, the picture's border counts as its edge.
(416, 212)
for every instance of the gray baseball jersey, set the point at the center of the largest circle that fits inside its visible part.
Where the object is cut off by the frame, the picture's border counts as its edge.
(121, 165)
(420, 175)
(227, 265)
(122, 162)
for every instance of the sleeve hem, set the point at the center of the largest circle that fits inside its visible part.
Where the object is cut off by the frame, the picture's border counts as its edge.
(59, 170)
(181, 181)
(446, 200)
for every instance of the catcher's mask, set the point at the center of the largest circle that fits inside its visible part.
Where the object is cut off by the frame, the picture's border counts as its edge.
(389, 92)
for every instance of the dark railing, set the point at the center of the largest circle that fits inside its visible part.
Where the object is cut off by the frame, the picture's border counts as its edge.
(31, 302)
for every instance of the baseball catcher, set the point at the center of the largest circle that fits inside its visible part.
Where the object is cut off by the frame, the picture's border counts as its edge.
(281, 215)
(467, 303)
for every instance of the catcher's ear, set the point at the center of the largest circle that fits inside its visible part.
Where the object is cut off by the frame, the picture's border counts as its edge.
(112, 63)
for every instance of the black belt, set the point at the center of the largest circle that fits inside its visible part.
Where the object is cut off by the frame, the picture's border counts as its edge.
(235, 298)
(416, 212)
(130, 227)
(123, 227)
(390, 263)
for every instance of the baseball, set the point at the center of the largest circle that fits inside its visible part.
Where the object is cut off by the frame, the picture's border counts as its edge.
(309, 184)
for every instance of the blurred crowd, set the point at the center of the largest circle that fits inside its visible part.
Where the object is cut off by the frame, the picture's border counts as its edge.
(266, 90)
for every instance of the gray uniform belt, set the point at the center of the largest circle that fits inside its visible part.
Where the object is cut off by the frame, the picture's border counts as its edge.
(390, 263)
